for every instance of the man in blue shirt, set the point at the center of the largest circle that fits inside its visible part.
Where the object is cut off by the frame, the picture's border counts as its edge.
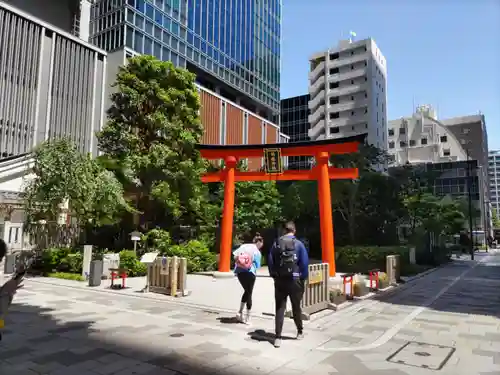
(289, 267)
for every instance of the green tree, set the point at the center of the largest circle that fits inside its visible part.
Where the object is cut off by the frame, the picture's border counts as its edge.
(257, 206)
(150, 141)
(63, 174)
(495, 219)
(428, 213)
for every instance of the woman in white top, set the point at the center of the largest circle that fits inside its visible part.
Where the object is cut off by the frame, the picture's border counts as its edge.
(247, 261)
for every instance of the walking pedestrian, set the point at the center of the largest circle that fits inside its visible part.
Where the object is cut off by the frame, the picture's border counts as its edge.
(247, 261)
(288, 265)
(9, 289)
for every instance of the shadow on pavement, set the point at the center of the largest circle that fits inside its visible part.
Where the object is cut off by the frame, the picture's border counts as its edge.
(475, 292)
(34, 340)
(262, 335)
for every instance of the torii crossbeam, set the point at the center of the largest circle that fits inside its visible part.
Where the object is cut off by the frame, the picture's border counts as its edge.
(273, 154)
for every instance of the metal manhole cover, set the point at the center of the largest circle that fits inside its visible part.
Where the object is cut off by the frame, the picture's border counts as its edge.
(177, 335)
(419, 354)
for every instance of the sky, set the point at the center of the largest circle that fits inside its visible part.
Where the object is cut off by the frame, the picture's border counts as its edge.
(440, 52)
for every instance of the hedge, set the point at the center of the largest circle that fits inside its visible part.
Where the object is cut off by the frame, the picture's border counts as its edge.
(361, 259)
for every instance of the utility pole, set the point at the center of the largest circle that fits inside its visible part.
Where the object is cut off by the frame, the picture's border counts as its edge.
(469, 193)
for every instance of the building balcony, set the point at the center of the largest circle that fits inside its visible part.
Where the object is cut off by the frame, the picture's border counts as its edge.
(317, 115)
(316, 87)
(318, 100)
(348, 121)
(317, 72)
(317, 130)
(348, 106)
(348, 60)
(348, 75)
(347, 90)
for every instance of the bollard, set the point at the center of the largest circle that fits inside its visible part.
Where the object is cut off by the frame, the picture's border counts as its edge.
(374, 282)
(173, 276)
(393, 269)
(348, 285)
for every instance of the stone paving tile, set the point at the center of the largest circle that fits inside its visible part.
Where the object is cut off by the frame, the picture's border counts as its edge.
(85, 333)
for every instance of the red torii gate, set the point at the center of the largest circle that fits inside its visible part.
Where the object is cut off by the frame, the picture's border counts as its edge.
(320, 150)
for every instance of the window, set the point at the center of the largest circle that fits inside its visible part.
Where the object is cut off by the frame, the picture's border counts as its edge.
(423, 141)
(391, 144)
(465, 131)
(334, 100)
(366, 95)
(334, 70)
(333, 85)
(391, 132)
(352, 67)
(352, 82)
(443, 139)
(334, 115)
(446, 152)
(402, 131)
(352, 97)
(412, 142)
(352, 113)
(334, 130)
(334, 56)
(402, 144)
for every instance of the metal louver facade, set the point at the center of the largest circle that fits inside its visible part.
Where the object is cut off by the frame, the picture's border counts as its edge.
(52, 85)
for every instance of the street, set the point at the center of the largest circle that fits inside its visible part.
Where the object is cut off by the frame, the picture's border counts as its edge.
(447, 322)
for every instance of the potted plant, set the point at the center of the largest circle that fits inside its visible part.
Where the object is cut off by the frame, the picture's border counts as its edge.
(337, 296)
(383, 280)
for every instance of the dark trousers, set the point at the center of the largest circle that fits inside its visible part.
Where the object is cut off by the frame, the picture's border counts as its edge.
(247, 281)
(284, 288)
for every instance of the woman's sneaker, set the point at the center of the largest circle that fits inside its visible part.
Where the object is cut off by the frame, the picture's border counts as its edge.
(246, 318)
(277, 343)
(239, 317)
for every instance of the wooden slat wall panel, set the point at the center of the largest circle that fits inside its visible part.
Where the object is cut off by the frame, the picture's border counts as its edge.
(254, 137)
(271, 136)
(210, 118)
(234, 133)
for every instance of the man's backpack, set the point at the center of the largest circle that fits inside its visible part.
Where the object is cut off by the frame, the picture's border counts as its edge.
(286, 257)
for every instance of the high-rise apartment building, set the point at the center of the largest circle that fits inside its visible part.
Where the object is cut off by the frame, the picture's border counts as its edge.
(233, 46)
(348, 92)
(295, 124)
(494, 179)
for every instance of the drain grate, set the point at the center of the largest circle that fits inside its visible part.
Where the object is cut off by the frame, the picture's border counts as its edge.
(419, 354)
(176, 335)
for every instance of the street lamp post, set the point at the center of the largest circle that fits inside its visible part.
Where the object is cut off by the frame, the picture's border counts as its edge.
(469, 195)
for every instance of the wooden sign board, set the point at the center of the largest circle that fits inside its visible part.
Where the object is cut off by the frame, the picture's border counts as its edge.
(315, 277)
(272, 161)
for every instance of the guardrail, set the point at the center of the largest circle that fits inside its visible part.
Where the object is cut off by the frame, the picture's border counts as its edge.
(316, 294)
(168, 275)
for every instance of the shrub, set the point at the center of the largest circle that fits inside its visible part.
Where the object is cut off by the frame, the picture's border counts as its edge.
(361, 259)
(52, 258)
(130, 261)
(199, 258)
(65, 276)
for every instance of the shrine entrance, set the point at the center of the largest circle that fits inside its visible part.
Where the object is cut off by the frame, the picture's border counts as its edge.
(273, 171)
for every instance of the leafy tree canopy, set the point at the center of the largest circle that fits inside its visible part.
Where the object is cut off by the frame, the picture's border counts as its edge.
(63, 174)
(150, 141)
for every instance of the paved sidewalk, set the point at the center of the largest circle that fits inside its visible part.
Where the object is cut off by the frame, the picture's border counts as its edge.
(59, 330)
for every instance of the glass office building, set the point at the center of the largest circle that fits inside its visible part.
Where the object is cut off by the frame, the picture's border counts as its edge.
(233, 46)
(295, 123)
